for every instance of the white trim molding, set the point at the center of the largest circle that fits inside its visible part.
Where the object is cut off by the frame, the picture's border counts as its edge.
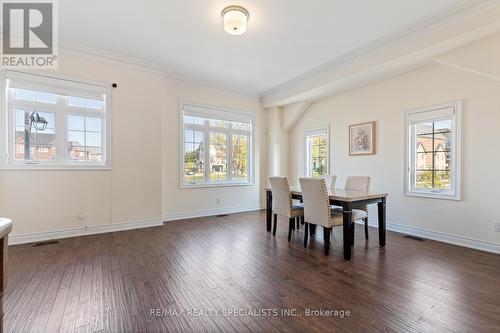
(438, 236)
(182, 215)
(84, 231)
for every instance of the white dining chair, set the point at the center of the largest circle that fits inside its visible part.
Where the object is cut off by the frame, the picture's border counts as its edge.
(317, 209)
(359, 183)
(283, 204)
(330, 181)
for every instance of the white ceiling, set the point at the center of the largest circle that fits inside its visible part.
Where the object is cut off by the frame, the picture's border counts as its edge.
(285, 38)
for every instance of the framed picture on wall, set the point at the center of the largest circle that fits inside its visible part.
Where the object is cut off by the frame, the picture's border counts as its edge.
(362, 139)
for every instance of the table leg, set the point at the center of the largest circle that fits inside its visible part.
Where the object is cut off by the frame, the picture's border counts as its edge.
(269, 209)
(347, 215)
(382, 222)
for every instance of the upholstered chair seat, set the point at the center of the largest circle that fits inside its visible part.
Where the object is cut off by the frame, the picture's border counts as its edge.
(297, 210)
(357, 214)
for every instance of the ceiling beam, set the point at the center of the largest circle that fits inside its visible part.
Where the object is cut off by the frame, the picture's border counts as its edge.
(411, 52)
(292, 113)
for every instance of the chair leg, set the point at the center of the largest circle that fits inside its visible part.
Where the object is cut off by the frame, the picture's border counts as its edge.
(298, 223)
(326, 240)
(275, 224)
(305, 234)
(302, 220)
(311, 229)
(291, 223)
(366, 228)
(353, 227)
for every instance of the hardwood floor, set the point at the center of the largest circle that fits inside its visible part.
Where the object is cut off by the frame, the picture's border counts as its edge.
(113, 282)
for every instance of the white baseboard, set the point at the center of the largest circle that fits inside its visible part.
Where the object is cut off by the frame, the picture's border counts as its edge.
(439, 236)
(100, 229)
(91, 230)
(210, 212)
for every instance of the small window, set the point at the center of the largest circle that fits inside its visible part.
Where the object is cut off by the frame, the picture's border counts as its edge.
(50, 124)
(35, 96)
(86, 103)
(432, 158)
(216, 147)
(317, 152)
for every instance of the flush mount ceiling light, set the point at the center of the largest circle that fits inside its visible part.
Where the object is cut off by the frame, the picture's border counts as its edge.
(235, 20)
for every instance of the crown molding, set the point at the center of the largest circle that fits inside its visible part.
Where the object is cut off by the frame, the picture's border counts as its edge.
(211, 84)
(115, 57)
(274, 96)
(167, 73)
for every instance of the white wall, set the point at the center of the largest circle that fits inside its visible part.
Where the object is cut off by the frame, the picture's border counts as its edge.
(180, 203)
(144, 181)
(40, 201)
(384, 102)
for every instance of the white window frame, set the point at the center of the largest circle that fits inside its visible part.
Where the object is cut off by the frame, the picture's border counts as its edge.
(224, 114)
(410, 159)
(38, 79)
(308, 159)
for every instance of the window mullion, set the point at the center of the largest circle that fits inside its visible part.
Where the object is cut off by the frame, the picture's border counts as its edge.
(433, 158)
(229, 153)
(206, 132)
(61, 124)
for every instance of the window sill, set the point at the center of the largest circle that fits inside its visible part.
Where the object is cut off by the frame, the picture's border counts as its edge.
(16, 167)
(431, 195)
(190, 186)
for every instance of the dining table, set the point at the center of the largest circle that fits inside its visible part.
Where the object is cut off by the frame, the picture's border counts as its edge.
(348, 200)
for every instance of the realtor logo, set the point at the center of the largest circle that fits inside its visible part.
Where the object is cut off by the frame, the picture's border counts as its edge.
(29, 34)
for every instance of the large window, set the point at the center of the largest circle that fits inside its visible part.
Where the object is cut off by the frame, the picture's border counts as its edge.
(55, 122)
(216, 147)
(317, 152)
(432, 159)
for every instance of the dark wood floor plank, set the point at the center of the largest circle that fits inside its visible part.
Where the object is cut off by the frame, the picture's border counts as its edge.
(111, 282)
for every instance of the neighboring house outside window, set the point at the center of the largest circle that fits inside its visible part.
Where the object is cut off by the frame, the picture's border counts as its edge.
(432, 152)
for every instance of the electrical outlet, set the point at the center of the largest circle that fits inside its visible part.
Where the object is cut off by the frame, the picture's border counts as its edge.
(497, 227)
(82, 216)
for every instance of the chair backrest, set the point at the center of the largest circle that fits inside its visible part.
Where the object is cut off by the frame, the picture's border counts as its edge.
(330, 181)
(358, 183)
(282, 197)
(316, 201)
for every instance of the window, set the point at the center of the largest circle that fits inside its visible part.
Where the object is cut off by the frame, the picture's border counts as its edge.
(317, 152)
(216, 147)
(55, 122)
(433, 146)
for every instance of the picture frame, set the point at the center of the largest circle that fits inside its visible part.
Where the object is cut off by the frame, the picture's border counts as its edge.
(362, 139)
